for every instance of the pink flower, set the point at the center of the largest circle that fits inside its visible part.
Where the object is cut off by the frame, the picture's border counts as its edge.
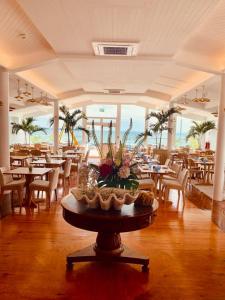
(126, 162)
(124, 172)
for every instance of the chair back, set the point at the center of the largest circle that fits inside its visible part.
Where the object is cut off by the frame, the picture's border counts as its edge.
(67, 148)
(35, 152)
(67, 168)
(22, 153)
(182, 177)
(157, 157)
(53, 179)
(4, 179)
(59, 151)
(167, 162)
(27, 162)
(176, 168)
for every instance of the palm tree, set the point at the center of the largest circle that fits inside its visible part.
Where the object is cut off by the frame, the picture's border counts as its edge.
(198, 129)
(160, 125)
(27, 127)
(70, 121)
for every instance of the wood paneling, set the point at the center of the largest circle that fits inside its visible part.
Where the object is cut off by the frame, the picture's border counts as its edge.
(186, 252)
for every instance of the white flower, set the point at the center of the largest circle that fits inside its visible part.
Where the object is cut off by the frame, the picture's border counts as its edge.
(124, 172)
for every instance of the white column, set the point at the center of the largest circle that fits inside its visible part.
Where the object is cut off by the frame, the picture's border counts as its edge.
(4, 118)
(220, 147)
(172, 130)
(56, 126)
(118, 124)
(84, 124)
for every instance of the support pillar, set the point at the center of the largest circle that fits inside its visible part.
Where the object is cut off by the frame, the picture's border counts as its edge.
(4, 118)
(56, 126)
(118, 125)
(84, 124)
(218, 210)
(172, 131)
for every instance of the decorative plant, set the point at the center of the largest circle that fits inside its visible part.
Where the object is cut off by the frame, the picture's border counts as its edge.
(159, 126)
(27, 127)
(116, 169)
(70, 122)
(198, 129)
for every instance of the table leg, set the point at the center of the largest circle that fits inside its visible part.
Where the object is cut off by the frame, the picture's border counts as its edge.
(208, 169)
(108, 247)
(29, 179)
(160, 187)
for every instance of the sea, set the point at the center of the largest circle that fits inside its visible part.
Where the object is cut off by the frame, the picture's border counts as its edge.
(41, 137)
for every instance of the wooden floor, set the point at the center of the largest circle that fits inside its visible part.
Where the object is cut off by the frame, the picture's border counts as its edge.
(187, 255)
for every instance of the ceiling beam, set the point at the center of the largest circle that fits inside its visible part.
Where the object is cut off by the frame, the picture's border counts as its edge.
(148, 93)
(150, 58)
(21, 68)
(158, 95)
(71, 94)
(198, 68)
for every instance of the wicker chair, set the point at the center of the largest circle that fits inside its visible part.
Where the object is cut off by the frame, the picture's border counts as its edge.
(47, 186)
(7, 183)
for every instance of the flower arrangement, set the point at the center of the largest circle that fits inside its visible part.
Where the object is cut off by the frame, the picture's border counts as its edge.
(116, 169)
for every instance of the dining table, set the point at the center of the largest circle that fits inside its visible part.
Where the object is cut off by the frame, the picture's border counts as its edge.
(206, 166)
(156, 172)
(20, 159)
(29, 174)
(51, 163)
(62, 156)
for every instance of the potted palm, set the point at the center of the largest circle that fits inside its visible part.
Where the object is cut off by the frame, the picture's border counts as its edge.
(199, 129)
(161, 124)
(27, 127)
(70, 122)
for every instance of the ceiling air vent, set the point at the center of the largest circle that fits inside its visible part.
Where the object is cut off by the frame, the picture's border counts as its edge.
(115, 49)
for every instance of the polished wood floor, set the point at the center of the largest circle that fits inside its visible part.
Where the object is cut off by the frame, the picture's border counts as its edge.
(186, 250)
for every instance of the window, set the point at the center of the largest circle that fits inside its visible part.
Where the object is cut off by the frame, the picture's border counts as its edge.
(137, 113)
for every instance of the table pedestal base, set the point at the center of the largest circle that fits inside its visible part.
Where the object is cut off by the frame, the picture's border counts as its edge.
(125, 256)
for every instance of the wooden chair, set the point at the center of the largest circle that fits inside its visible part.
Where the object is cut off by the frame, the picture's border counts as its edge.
(35, 152)
(45, 186)
(176, 168)
(65, 174)
(146, 184)
(8, 184)
(179, 185)
(194, 170)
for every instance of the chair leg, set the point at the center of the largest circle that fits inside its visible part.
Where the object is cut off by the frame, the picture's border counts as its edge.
(69, 181)
(30, 197)
(12, 204)
(20, 196)
(48, 199)
(178, 195)
(56, 196)
(183, 195)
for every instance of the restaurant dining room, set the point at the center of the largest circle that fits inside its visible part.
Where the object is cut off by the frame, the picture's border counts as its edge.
(112, 149)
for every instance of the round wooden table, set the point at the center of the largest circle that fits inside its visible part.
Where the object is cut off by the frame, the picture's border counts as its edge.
(109, 225)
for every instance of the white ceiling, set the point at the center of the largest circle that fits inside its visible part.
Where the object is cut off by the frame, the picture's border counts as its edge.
(174, 37)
